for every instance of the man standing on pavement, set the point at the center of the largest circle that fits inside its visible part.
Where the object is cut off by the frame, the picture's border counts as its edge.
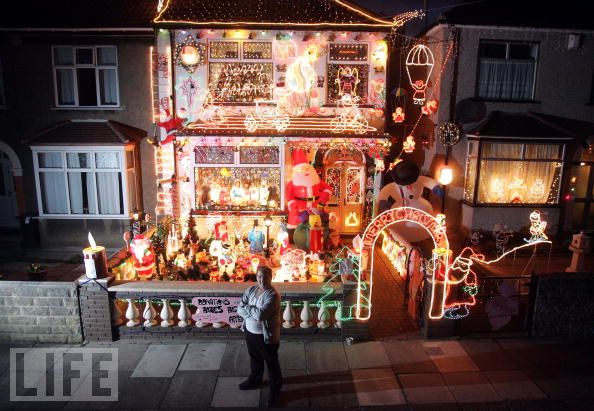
(260, 308)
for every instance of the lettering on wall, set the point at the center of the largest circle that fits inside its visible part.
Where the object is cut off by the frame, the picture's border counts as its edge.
(240, 82)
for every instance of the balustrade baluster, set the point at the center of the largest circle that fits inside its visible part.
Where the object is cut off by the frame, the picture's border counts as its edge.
(132, 313)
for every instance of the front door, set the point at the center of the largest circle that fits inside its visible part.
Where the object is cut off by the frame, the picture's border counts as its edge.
(346, 203)
(581, 209)
(7, 195)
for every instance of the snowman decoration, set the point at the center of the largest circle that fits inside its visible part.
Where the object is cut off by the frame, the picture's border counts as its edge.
(225, 258)
(407, 191)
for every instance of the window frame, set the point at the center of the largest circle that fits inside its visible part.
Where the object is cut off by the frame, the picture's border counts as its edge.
(507, 43)
(237, 164)
(240, 59)
(479, 172)
(96, 66)
(64, 169)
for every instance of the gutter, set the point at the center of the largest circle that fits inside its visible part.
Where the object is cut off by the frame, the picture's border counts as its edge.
(82, 30)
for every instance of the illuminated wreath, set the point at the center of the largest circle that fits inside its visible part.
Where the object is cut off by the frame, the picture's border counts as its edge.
(448, 133)
(190, 54)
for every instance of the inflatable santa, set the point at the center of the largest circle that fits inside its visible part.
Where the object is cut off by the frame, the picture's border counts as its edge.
(305, 191)
(143, 256)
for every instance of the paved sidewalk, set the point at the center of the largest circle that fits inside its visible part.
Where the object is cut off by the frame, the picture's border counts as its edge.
(486, 374)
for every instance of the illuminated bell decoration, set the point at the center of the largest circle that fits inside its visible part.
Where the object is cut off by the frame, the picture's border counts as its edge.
(419, 66)
(398, 115)
(448, 133)
(409, 145)
(189, 55)
(352, 220)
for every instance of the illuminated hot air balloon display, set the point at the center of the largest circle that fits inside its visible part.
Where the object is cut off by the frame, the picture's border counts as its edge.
(419, 65)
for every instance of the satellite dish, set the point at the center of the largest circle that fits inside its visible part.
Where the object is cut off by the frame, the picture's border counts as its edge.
(469, 110)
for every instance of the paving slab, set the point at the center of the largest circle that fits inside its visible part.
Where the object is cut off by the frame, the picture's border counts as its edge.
(449, 356)
(408, 357)
(142, 393)
(203, 357)
(332, 390)
(129, 355)
(236, 360)
(326, 357)
(425, 388)
(488, 355)
(369, 354)
(291, 355)
(82, 397)
(159, 360)
(190, 389)
(564, 384)
(295, 391)
(227, 394)
(514, 385)
(470, 387)
(377, 387)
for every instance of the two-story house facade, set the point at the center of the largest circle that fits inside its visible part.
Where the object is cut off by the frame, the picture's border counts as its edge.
(520, 89)
(75, 107)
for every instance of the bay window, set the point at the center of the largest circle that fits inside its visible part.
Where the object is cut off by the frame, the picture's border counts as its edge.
(500, 173)
(82, 182)
(85, 76)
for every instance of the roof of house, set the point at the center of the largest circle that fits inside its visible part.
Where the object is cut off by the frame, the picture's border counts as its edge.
(501, 124)
(79, 14)
(571, 14)
(296, 14)
(82, 132)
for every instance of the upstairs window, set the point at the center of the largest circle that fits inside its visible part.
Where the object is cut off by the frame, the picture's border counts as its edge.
(86, 76)
(506, 70)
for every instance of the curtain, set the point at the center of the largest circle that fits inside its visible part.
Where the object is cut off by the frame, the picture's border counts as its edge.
(506, 79)
(109, 189)
(65, 85)
(519, 181)
(107, 80)
(53, 192)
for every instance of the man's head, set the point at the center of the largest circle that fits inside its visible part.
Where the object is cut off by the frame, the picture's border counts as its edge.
(264, 276)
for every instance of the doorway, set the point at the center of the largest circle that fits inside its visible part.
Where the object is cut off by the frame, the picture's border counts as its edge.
(344, 171)
(8, 201)
(581, 209)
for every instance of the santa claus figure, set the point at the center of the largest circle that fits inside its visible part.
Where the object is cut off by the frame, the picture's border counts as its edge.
(169, 122)
(221, 232)
(305, 191)
(143, 256)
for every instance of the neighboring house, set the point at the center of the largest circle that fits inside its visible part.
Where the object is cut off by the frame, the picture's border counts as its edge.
(521, 87)
(75, 105)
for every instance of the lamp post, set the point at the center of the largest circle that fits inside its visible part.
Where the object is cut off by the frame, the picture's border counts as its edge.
(446, 175)
(267, 223)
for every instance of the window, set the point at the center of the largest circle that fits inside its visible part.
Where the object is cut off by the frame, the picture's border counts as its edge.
(591, 88)
(2, 98)
(507, 70)
(515, 173)
(86, 76)
(238, 178)
(240, 71)
(80, 182)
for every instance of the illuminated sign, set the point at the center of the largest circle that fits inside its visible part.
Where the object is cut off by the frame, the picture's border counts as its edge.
(349, 51)
(240, 82)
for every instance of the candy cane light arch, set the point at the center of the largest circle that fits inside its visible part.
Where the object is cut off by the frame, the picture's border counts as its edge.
(435, 226)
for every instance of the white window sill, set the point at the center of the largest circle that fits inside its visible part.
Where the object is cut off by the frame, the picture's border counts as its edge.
(107, 108)
(81, 217)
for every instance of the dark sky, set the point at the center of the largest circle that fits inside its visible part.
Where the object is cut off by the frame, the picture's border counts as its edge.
(393, 7)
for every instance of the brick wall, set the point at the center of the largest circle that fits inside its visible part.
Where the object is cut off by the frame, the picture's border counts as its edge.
(39, 312)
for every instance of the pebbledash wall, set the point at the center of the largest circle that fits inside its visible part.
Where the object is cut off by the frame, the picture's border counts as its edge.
(39, 312)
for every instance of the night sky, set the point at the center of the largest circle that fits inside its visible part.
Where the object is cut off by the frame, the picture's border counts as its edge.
(393, 7)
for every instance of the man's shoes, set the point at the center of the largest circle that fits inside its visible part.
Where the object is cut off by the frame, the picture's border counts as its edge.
(248, 385)
(273, 400)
